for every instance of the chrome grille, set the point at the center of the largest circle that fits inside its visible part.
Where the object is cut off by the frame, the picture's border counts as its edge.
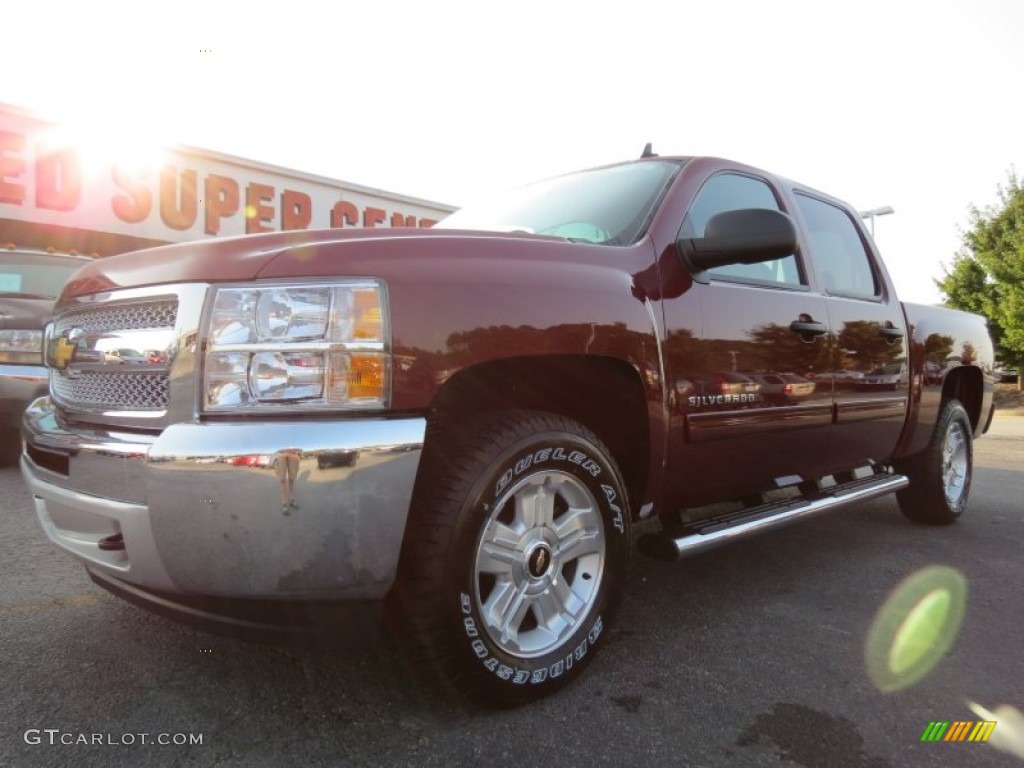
(101, 386)
(111, 391)
(124, 317)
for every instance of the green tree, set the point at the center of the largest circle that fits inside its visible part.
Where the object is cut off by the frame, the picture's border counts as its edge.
(987, 274)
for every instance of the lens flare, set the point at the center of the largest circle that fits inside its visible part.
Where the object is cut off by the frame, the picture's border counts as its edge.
(915, 627)
(1008, 735)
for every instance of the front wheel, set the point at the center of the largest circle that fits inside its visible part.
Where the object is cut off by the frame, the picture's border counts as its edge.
(940, 477)
(514, 557)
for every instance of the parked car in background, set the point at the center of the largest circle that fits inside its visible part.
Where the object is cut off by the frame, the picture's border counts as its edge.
(124, 356)
(1006, 376)
(783, 388)
(891, 376)
(839, 378)
(725, 383)
(30, 282)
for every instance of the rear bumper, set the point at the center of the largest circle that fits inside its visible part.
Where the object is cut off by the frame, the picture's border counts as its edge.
(297, 509)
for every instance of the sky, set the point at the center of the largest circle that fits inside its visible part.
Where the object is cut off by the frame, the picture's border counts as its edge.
(913, 105)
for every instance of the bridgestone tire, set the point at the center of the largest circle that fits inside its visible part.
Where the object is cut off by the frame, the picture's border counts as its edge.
(940, 477)
(514, 559)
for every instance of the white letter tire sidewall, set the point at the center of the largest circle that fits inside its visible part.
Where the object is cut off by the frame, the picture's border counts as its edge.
(503, 676)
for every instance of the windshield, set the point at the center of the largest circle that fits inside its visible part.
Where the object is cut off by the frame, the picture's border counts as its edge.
(606, 205)
(36, 275)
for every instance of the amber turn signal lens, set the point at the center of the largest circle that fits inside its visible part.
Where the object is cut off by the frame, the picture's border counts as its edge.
(366, 376)
(367, 326)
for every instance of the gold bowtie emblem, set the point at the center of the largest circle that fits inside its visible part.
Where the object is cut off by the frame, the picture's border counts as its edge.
(62, 350)
(63, 353)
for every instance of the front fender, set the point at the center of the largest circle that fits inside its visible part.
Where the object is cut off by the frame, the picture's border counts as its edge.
(459, 299)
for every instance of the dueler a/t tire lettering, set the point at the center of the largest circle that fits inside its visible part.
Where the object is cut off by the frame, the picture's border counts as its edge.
(514, 558)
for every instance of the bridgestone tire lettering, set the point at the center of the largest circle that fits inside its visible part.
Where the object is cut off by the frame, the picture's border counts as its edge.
(520, 676)
(525, 500)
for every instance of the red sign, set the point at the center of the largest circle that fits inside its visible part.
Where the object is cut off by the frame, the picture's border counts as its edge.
(184, 194)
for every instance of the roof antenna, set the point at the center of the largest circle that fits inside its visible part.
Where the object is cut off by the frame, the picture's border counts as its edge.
(648, 151)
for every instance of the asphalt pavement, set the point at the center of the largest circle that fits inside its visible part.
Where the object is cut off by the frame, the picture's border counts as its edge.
(752, 655)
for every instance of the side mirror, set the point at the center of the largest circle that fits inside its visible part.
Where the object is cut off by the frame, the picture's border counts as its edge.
(747, 236)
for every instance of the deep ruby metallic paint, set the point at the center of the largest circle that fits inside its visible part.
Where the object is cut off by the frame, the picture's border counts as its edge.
(464, 299)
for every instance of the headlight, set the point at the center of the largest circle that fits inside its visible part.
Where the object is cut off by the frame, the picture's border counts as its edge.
(307, 346)
(24, 347)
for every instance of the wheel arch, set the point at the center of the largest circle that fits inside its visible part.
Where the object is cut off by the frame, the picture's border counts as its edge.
(604, 394)
(967, 385)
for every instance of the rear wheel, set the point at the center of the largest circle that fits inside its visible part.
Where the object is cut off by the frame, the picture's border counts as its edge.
(940, 477)
(514, 556)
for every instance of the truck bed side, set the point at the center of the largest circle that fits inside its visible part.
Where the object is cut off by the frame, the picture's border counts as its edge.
(951, 355)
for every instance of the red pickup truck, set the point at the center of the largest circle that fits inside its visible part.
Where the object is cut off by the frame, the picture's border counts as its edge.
(467, 424)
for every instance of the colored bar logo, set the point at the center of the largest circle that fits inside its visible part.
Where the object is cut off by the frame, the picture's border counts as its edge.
(959, 730)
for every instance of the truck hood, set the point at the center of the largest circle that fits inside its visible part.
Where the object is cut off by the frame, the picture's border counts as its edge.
(246, 257)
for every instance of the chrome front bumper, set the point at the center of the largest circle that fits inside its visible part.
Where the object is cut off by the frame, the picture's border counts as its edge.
(301, 509)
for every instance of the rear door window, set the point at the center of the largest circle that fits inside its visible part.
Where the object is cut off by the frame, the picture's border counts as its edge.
(839, 251)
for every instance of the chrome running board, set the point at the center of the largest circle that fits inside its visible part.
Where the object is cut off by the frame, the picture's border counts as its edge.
(693, 538)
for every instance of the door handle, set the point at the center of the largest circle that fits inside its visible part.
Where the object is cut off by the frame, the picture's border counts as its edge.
(891, 332)
(808, 327)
